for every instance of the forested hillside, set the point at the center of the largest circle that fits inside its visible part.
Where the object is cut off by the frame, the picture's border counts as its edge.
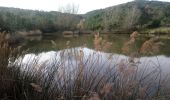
(134, 15)
(14, 19)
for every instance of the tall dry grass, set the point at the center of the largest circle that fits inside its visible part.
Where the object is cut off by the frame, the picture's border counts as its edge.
(84, 78)
(6, 52)
(101, 44)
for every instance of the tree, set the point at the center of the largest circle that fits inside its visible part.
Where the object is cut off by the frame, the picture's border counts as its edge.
(132, 17)
(140, 0)
(80, 25)
(69, 8)
(67, 15)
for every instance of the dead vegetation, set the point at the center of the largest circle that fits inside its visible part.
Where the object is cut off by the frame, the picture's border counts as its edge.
(122, 81)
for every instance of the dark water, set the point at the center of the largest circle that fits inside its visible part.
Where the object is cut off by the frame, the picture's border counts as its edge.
(118, 40)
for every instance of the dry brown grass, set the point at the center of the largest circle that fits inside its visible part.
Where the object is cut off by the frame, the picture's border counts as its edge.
(148, 47)
(101, 44)
(151, 46)
(5, 52)
(7, 55)
(129, 44)
(120, 81)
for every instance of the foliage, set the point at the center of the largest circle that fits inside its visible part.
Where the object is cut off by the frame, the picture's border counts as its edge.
(13, 19)
(160, 30)
(69, 8)
(134, 15)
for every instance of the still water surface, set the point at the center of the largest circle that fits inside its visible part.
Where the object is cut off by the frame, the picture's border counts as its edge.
(42, 44)
(46, 49)
(43, 52)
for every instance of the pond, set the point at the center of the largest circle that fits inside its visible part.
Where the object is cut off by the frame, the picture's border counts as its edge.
(117, 40)
(49, 46)
(67, 61)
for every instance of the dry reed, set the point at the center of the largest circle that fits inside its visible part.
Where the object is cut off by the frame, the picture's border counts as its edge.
(87, 80)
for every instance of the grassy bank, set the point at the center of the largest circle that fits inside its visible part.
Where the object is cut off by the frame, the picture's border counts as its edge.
(160, 30)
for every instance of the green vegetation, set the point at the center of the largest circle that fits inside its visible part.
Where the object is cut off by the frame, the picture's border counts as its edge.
(76, 74)
(13, 19)
(136, 15)
(160, 30)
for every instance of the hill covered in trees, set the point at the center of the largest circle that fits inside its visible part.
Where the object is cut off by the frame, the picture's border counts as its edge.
(14, 19)
(135, 15)
(139, 14)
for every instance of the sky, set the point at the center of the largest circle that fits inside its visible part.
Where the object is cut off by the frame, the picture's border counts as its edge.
(54, 5)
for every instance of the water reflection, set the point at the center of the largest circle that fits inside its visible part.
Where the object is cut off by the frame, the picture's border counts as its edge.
(117, 41)
(33, 38)
(69, 59)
